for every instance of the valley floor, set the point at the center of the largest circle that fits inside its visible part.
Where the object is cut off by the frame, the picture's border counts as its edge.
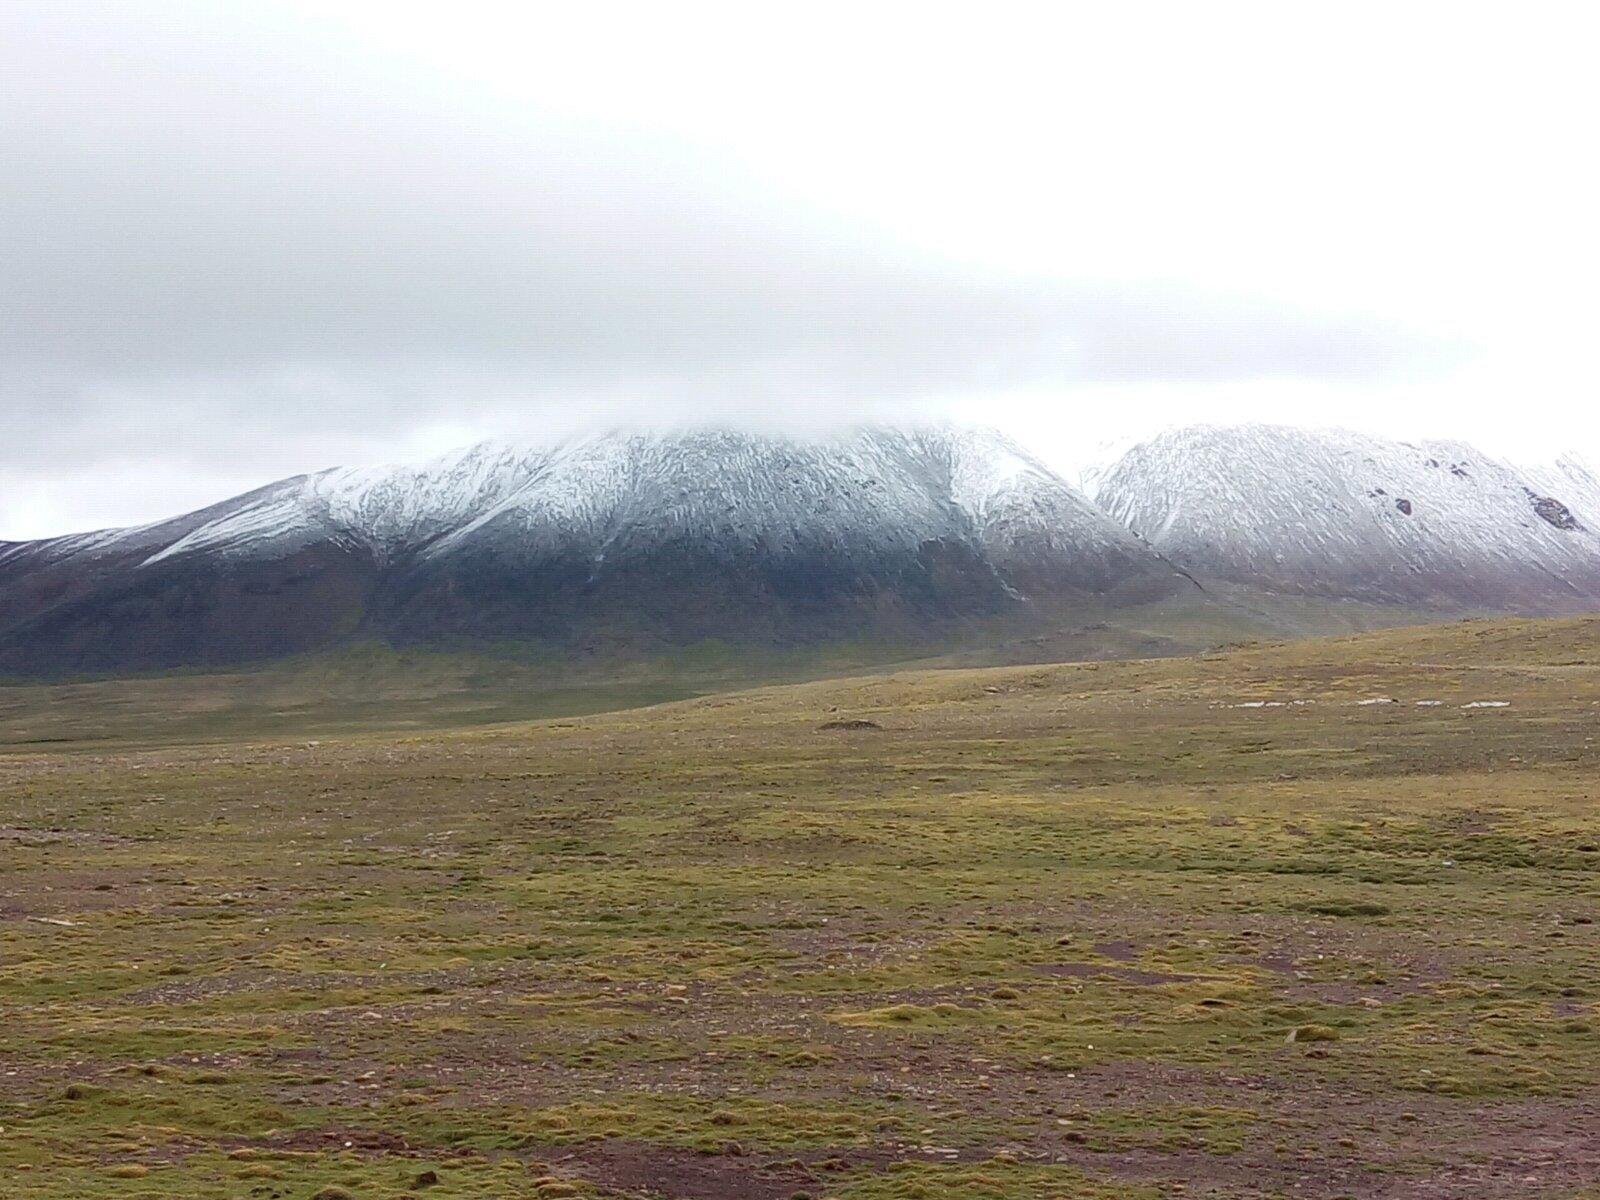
(1313, 920)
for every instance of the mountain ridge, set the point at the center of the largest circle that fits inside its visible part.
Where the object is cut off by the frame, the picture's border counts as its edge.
(1333, 512)
(626, 544)
(611, 541)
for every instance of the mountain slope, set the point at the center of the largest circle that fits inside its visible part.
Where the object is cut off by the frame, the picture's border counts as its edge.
(1341, 514)
(606, 543)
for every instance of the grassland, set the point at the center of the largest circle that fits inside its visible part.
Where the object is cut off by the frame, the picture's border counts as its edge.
(1191, 926)
(372, 688)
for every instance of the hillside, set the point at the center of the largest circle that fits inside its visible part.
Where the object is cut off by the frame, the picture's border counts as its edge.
(612, 554)
(373, 687)
(619, 546)
(1323, 512)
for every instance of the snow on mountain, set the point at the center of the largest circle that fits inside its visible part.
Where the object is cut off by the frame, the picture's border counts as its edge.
(657, 539)
(625, 542)
(385, 510)
(1569, 481)
(870, 489)
(1345, 514)
(869, 492)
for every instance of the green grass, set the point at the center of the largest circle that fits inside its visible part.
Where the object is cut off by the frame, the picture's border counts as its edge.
(376, 688)
(1050, 930)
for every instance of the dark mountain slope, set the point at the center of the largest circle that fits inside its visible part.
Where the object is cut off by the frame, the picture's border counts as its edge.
(621, 543)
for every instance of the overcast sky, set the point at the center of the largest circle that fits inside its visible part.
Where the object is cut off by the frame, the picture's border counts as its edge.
(238, 241)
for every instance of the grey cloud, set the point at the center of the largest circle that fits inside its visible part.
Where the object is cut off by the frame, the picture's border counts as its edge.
(215, 241)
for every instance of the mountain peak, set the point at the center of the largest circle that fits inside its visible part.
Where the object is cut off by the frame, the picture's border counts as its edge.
(1332, 512)
(654, 538)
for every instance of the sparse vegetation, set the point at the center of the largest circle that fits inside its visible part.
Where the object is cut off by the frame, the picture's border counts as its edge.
(1083, 931)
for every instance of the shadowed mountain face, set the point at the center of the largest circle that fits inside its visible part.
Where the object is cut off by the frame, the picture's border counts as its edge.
(623, 545)
(618, 543)
(1324, 513)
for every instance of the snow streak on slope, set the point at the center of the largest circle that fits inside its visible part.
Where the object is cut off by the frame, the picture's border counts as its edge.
(1571, 483)
(868, 494)
(619, 543)
(387, 511)
(1345, 514)
(862, 495)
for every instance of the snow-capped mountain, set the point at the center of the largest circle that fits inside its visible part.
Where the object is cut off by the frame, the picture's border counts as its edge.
(630, 538)
(629, 542)
(1342, 514)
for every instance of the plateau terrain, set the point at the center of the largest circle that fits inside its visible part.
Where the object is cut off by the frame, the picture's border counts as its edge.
(1308, 919)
